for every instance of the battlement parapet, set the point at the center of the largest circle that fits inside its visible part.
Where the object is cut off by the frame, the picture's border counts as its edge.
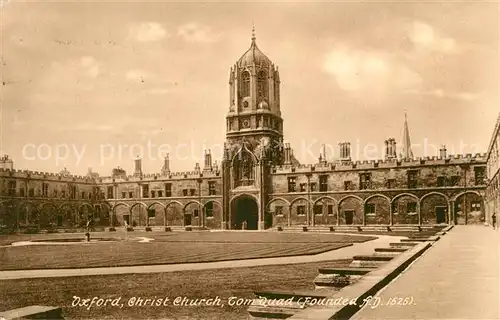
(159, 176)
(28, 174)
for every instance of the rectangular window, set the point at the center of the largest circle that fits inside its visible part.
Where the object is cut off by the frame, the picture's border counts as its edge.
(454, 181)
(390, 183)
(185, 192)
(209, 210)
(411, 208)
(130, 194)
(330, 209)
(74, 192)
(124, 194)
(278, 210)
(110, 192)
(313, 186)
(323, 183)
(90, 195)
(318, 209)
(153, 194)
(370, 209)
(303, 187)
(195, 213)
(160, 193)
(192, 192)
(301, 210)
(291, 184)
(45, 189)
(365, 181)
(31, 192)
(11, 188)
(347, 185)
(412, 179)
(168, 190)
(211, 188)
(83, 194)
(145, 191)
(63, 193)
(21, 192)
(479, 175)
(441, 181)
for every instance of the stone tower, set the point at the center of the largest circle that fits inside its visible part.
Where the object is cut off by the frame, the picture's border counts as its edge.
(254, 139)
(254, 115)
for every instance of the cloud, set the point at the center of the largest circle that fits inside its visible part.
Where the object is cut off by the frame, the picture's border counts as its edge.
(356, 70)
(195, 33)
(441, 94)
(136, 75)
(91, 66)
(423, 36)
(148, 31)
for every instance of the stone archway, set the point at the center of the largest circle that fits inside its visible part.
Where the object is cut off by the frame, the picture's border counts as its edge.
(245, 213)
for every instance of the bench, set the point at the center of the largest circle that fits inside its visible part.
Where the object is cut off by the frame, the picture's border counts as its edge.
(402, 244)
(400, 249)
(33, 312)
(345, 271)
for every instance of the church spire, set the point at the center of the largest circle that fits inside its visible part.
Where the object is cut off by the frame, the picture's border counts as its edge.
(406, 153)
(253, 32)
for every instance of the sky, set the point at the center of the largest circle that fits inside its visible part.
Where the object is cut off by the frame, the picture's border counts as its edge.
(96, 84)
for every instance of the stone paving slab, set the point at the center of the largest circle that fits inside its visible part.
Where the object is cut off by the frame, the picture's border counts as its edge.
(364, 248)
(458, 278)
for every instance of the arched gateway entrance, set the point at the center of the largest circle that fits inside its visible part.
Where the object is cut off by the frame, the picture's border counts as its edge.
(244, 214)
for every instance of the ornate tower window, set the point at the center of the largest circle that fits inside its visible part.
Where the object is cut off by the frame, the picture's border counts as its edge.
(262, 85)
(243, 166)
(245, 84)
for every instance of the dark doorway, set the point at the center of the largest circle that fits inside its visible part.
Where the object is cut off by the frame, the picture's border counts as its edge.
(126, 219)
(349, 214)
(440, 214)
(187, 219)
(59, 221)
(245, 214)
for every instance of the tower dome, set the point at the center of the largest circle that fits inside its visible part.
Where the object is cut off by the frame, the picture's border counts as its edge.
(253, 55)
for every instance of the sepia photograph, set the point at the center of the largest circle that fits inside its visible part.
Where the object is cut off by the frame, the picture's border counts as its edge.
(249, 159)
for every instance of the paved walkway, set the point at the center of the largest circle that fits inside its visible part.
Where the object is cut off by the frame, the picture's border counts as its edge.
(458, 278)
(343, 253)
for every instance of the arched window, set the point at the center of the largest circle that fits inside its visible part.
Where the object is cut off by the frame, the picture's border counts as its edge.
(245, 85)
(262, 85)
(243, 166)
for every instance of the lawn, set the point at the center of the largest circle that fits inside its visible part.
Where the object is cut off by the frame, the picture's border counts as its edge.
(167, 248)
(224, 283)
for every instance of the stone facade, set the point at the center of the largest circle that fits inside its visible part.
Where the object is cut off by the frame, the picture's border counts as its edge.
(492, 197)
(258, 185)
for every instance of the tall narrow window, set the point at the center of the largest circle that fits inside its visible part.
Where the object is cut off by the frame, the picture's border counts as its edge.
(262, 85)
(245, 84)
(168, 190)
(323, 183)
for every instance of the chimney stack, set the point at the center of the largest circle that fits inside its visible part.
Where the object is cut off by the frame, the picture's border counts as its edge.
(138, 167)
(208, 160)
(345, 151)
(197, 167)
(442, 152)
(287, 154)
(166, 165)
(390, 149)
